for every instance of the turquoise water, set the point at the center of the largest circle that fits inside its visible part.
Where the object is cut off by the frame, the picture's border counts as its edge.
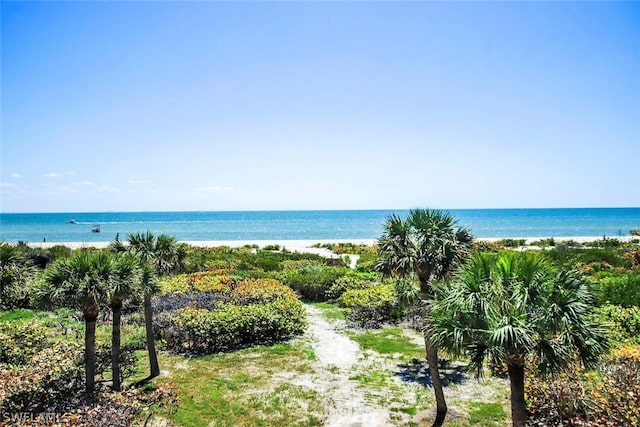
(280, 225)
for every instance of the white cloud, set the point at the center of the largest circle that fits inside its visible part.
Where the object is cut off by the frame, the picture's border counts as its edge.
(70, 173)
(52, 175)
(85, 183)
(213, 189)
(138, 181)
(12, 188)
(16, 175)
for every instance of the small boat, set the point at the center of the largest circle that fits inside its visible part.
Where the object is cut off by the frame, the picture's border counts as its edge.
(95, 229)
(72, 221)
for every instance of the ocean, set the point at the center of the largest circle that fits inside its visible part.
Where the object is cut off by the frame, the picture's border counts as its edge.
(306, 225)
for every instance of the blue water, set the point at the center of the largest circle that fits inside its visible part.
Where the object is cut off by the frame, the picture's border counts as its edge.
(280, 225)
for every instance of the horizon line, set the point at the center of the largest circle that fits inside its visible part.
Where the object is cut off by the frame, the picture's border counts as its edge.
(312, 210)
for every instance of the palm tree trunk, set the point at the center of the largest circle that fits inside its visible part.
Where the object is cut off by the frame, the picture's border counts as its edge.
(151, 339)
(515, 368)
(90, 354)
(432, 360)
(115, 345)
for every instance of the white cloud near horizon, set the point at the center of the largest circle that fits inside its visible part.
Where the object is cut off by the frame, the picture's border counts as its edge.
(138, 181)
(213, 189)
(52, 175)
(16, 175)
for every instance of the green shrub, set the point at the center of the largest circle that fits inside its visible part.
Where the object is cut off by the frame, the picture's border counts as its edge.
(206, 281)
(624, 323)
(199, 331)
(367, 262)
(511, 243)
(372, 306)
(53, 373)
(619, 289)
(262, 291)
(347, 283)
(312, 283)
(20, 341)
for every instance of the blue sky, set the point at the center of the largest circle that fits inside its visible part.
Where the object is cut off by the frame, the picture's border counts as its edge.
(136, 106)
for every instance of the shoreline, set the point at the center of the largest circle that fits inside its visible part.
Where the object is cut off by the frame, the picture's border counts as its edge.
(307, 244)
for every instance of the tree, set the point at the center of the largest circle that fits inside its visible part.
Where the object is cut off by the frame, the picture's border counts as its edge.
(124, 283)
(163, 255)
(82, 281)
(514, 309)
(427, 244)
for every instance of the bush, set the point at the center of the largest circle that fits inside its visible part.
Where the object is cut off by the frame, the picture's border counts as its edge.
(372, 306)
(20, 341)
(347, 283)
(619, 289)
(367, 262)
(313, 282)
(55, 372)
(617, 395)
(624, 323)
(199, 331)
(608, 396)
(261, 291)
(207, 281)
(557, 400)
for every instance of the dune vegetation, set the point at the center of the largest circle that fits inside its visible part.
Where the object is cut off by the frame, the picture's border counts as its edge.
(154, 332)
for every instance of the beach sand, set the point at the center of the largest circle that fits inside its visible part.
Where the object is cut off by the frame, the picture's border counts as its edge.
(307, 245)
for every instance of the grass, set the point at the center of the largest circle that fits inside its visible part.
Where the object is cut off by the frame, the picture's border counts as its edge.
(486, 414)
(15, 315)
(390, 341)
(330, 311)
(246, 387)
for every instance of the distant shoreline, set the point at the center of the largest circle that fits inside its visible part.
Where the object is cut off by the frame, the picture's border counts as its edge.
(308, 245)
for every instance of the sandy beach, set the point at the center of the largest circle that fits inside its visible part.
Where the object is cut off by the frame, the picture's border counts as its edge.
(308, 245)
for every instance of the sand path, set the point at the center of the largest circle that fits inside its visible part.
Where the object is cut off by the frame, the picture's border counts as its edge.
(337, 356)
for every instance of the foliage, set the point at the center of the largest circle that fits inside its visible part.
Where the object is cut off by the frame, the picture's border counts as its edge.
(517, 304)
(248, 259)
(543, 243)
(623, 323)
(53, 373)
(367, 262)
(16, 271)
(511, 243)
(371, 306)
(618, 288)
(348, 248)
(231, 326)
(346, 283)
(207, 281)
(607, 396)
(313, 282)
(262, 291)
(617, 396)
(589, 260)
(20, 341)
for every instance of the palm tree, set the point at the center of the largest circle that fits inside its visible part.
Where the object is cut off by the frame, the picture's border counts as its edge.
(81, 281)
(427, 244)
(124, 283)
(513, 309)
(164, 255)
